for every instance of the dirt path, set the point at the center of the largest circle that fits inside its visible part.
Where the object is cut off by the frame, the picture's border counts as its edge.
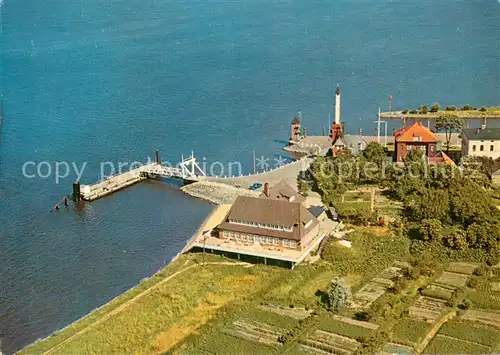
(134, 299)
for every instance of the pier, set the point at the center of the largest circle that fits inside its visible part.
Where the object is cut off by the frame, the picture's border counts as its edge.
(188, 171)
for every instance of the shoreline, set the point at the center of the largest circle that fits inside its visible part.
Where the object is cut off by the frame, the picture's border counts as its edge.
(186, 247)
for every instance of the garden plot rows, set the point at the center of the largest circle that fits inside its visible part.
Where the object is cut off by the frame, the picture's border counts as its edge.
(455, 277)
(376, 287)
(329, 343)
(297, 313)
(462, 336)
(255, 331)
(427, 309)
(484, 317)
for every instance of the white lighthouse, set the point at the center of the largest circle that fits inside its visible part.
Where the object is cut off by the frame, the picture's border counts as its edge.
(337, 129)
(337, 105)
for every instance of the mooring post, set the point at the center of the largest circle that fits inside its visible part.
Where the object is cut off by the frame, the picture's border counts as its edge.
(158, 159)
(76, 191)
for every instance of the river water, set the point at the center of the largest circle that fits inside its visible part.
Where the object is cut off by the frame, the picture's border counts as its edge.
(98, 81)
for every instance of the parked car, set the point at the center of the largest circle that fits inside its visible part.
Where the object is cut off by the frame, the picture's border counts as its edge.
(255, 186)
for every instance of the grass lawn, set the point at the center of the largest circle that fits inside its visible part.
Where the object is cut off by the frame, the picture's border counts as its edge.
(477, 333)
(444, 345)
(409, 331)
(164, 315)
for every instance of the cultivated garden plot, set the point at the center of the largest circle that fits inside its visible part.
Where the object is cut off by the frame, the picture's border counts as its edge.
(330, 343)
(462, 267)
(410, 332)
(490, 317)
(473, 332)
(256, 332)
(427, 309)
(375, 288)
(444, 286)
(348, 328)
(297, 313)
(443, 344)
(451, 280)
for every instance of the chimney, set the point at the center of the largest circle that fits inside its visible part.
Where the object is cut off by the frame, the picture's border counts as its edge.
(266, 189)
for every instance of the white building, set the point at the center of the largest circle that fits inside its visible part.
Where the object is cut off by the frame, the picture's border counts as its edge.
(481, 142)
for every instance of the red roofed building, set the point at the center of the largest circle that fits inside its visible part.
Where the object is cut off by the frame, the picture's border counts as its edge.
(414, 136)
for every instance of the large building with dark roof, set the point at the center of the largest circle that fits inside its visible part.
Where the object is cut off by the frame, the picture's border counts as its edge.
(481, 142)
(269, 222)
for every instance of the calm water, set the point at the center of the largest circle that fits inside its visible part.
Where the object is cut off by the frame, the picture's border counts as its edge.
(103, 80)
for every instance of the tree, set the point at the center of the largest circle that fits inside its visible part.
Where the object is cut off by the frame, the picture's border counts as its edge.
(451, 108)
(430, 204)
(448, 123)
(431, 230)
(435, 107)
(339, 294)
(424, 109)
(482, 109)
(457, 239)
(303, 187)
(467, 108)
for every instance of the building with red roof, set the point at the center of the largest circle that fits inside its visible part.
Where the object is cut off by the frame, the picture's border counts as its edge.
(414, 136)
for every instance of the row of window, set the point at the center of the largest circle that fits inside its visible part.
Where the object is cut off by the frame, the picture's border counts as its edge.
(481, 148)
(253, 238)
(261, 225)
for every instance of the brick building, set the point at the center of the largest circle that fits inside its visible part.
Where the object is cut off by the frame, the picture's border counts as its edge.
(414, 136)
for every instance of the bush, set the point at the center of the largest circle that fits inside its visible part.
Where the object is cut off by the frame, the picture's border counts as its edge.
(363, 316)
(482, 270)
(483, 108)
(413, 112)
(435, 107)
(424, 109)
(405, 111)
(467, 108)
(451, 108)
(361, 215)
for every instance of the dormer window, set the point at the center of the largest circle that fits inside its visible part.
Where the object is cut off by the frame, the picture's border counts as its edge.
(417, 139)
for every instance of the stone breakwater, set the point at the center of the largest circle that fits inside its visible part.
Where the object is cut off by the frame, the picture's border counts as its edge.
(217, 193)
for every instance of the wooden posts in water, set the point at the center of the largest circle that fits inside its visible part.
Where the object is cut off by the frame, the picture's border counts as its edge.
(158, 159)
(76, 191)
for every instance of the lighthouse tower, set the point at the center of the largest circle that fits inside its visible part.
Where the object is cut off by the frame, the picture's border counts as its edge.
(337, 129)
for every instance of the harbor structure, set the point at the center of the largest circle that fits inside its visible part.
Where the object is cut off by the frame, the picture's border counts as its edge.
(481, 142)
(414, 136)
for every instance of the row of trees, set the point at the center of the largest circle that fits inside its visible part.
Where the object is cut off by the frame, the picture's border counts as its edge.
(424, 109)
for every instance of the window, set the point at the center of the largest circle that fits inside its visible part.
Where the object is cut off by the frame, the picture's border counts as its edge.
(293, 244)
(474, 148)
(481, 147)
(417, 138)
(491, 148)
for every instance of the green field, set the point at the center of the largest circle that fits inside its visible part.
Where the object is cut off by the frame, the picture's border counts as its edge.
(469, 331)
(443, 345)
(328, 324)
(410, 331)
